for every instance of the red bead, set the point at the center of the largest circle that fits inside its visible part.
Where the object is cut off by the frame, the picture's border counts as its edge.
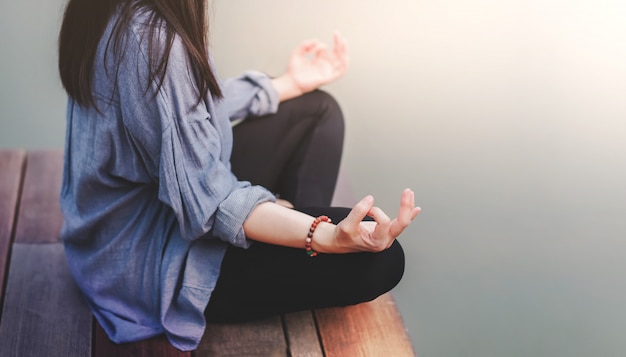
(309, 238)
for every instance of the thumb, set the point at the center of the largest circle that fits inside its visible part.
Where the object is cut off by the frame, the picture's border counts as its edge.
(306, 47)
(360, 210)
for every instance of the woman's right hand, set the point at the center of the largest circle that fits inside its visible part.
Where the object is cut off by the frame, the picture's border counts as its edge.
(311, 65)
(355, 235)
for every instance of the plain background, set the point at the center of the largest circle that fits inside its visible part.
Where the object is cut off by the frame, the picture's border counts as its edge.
(506, 117)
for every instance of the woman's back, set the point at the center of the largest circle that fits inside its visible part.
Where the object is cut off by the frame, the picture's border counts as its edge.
(136, 166)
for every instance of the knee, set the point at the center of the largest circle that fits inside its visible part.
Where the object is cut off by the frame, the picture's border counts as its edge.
(392, 264)
(325, 100)
(328, 108)
(384, 273)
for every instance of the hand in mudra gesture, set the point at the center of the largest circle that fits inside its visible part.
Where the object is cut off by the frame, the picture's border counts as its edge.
(312, 64)
(355, 235)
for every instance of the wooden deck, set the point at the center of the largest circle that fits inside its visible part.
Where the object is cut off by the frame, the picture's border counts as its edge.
(43, 313)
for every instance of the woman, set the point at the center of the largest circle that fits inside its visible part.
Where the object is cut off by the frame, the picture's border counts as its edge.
(158, 229)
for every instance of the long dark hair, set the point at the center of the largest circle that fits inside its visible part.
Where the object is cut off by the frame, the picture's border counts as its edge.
(84, 24)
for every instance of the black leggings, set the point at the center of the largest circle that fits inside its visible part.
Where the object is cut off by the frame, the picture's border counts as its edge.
(296, 153)
(266, 280)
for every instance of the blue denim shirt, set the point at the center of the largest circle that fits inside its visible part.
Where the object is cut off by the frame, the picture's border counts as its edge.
(149, 201)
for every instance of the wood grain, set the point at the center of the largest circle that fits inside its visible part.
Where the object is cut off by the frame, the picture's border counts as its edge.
(370, 329)
(39, 218)
(44, 313)
(154, 347)
(11, 165)
(302, 336)
(262, 338)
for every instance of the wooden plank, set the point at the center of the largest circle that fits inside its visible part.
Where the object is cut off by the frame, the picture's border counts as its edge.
(154, 347)
(44, 313)
(11, 167)
(262, 338)
(370, 329)
(40, 219)
(302, 336)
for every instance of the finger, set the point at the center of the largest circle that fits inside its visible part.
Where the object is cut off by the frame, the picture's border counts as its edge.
(337, 43)
(320, 50)
(341, 46)
(415, 212)
(379, 215)
(405, 213)
(340, 60)
(398, 227)
(359, 211)
(306, 46)
(383, 238)
(407, 203)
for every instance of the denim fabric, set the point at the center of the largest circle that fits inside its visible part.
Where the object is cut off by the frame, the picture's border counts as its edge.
(149, 201)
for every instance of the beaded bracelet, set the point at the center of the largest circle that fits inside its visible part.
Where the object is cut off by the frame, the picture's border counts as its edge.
(309, 238)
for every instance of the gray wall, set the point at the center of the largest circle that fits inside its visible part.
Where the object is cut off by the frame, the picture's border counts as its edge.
(32, 102)
(506, 117)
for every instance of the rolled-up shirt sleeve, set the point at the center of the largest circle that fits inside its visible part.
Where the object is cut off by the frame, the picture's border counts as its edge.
(229, 220)
(206, 197)
(250, 94)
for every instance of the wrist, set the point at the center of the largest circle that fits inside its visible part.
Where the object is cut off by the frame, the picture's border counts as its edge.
(287, 87)
(324, 238)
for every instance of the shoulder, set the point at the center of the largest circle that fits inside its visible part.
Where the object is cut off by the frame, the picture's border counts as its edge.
(146, 32)
(152, 40)
(139, 46)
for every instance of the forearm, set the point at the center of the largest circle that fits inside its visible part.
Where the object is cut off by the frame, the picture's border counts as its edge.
(273, 224)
